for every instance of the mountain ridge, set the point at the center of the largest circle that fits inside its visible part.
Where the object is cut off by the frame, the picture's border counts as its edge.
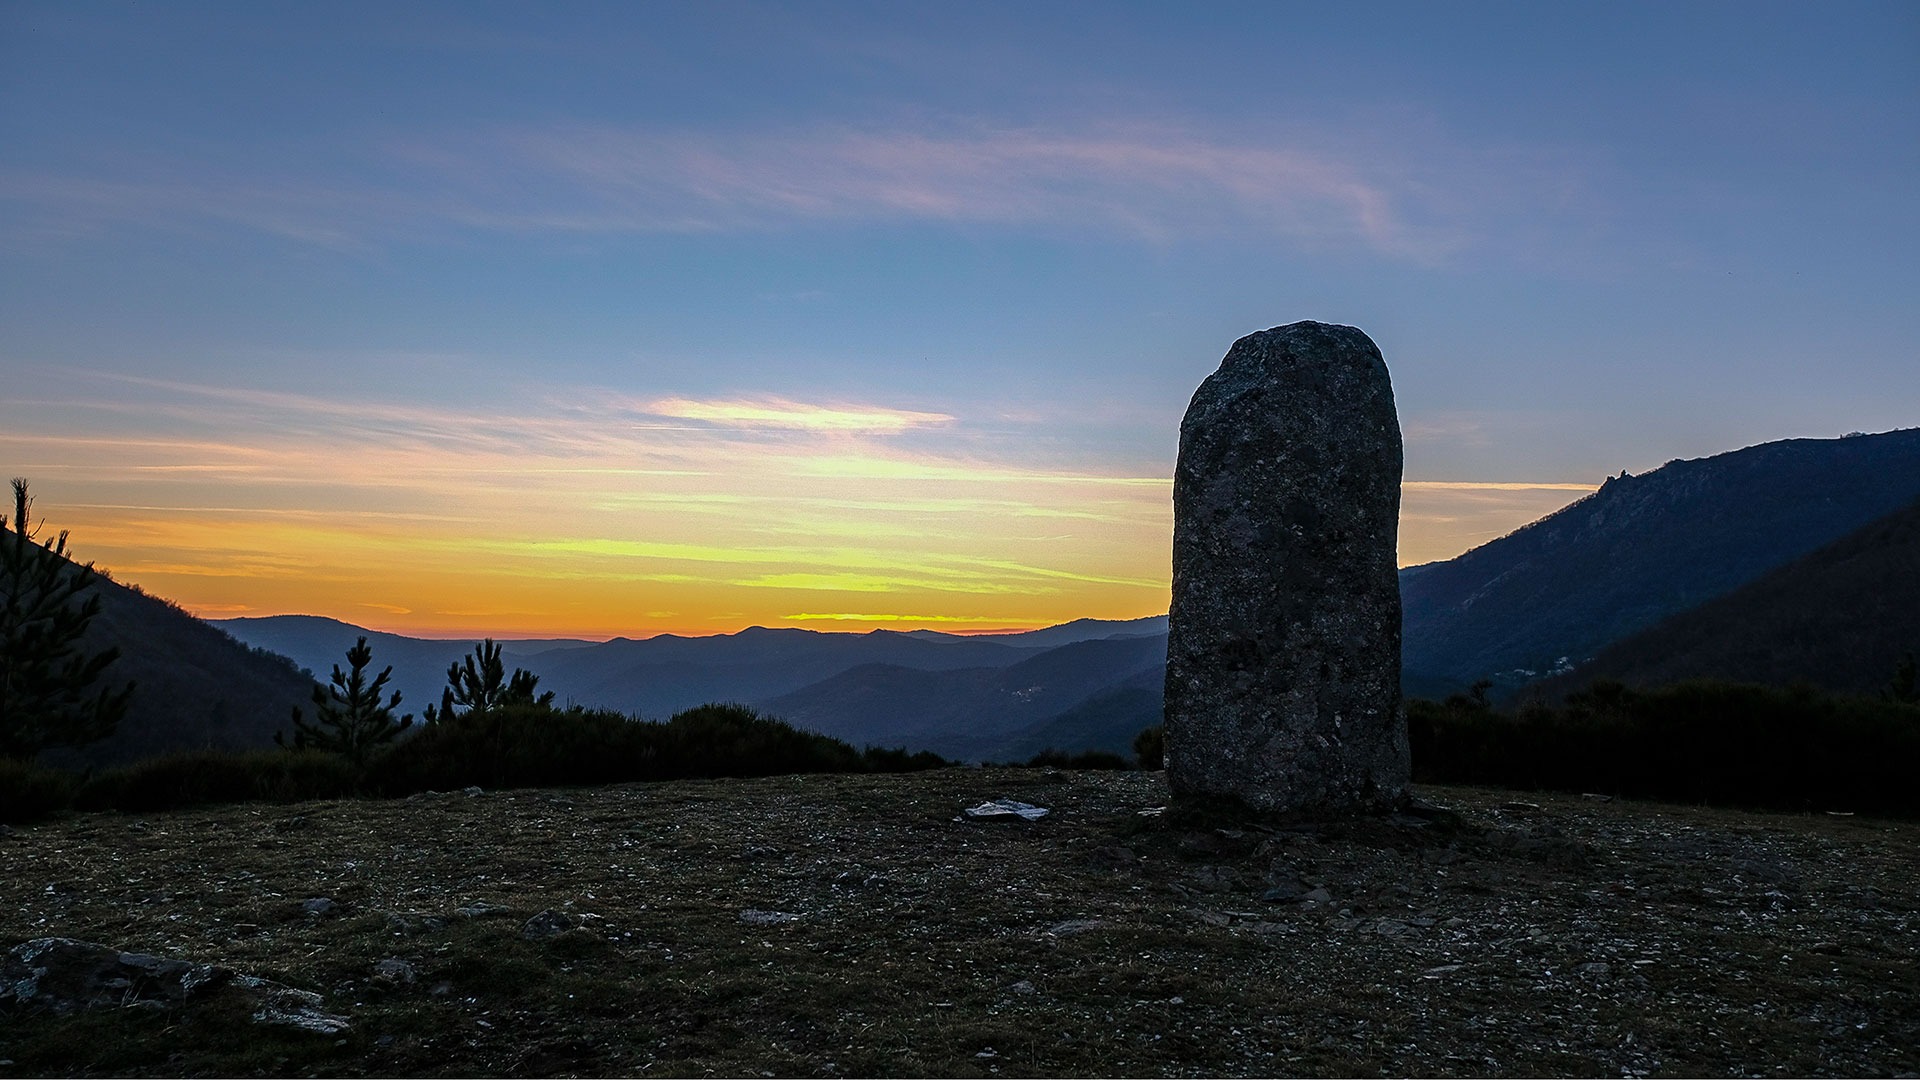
(1641, 548)
(1839, 618)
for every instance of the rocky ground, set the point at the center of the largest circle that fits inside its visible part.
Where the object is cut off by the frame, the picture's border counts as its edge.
(850, 925)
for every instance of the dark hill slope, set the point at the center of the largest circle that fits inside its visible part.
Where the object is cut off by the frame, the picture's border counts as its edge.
(1108, 720)
(1839, 618)
(196, 687)
(971, 713)
(1643, 548)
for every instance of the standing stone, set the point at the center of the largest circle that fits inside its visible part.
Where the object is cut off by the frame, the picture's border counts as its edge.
(1283, 649)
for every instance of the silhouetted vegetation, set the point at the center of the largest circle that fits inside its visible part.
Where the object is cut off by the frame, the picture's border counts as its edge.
(1150, 748)
(517, 745)
(47, 677)
(29, 792)
(349, 718)
(1702, 742)
(1054, 758)
(1905, 686)
(480, 685)
(214, 776)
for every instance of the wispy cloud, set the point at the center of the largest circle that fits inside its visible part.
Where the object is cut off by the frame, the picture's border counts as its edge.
(1415, 197)
(794, 415)
(1152, 180)
(891, 617)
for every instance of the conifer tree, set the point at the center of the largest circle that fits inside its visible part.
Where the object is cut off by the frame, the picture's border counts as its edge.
(349, 718)
(480, 686)
(1905, 686)
(46, 677)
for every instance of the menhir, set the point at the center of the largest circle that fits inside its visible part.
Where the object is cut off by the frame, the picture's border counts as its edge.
(1283, 654)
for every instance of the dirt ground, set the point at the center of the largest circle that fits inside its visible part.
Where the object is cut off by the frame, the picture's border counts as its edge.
(855, 925)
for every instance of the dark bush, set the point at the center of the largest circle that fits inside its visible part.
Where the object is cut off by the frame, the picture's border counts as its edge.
(195, 779)
(897, 759)
(516, 746)
(1706, 742)
(1086, 759)
(1150, 748)
(521, 745)
(535, 746)
(30, 792)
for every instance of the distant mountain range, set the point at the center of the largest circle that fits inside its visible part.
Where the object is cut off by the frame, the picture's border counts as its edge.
(851, 685)
(1740, 540)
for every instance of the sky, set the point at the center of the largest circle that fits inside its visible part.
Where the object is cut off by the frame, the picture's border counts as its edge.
(593, 320)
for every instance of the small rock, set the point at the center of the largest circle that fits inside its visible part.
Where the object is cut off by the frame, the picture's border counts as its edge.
(545, 925)
(473, 792)
(413, 922)
(1286, 887)
(1073, 926)
(286, 1007)
(1317, 896)
(1022, 987)
(393, 971)
(1005, 810)
(319, 905)
(480, 909)
(755, 917)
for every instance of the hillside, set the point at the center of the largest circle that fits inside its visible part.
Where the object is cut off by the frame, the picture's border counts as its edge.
(1839, 619)
(855, 926)
(196, 687)
(969, 713)
(1640, 549)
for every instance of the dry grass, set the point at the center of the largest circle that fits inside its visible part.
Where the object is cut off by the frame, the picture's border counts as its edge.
(849, 925)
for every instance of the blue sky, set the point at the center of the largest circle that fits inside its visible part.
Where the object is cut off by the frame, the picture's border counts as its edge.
(349, 264)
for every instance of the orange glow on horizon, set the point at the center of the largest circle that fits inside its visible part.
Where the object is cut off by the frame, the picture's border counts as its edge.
(604, 522)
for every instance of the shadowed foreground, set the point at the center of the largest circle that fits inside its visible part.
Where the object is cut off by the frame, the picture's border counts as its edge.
(830, 925)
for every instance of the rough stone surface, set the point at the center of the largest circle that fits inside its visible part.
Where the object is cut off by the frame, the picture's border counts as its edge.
(65, 975)
(546, 924)
(1283, 651)
(62, 975)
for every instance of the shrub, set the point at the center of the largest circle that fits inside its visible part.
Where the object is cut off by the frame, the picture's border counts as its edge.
(531, 745)
(211, 776)
(1150, 748)
(733, 740)
(1086, 759)
(897, 759)
(30, 792)
(1712, 742)
(516, 746)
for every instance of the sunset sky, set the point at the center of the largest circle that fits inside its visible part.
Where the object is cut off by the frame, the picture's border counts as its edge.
(613, 319)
